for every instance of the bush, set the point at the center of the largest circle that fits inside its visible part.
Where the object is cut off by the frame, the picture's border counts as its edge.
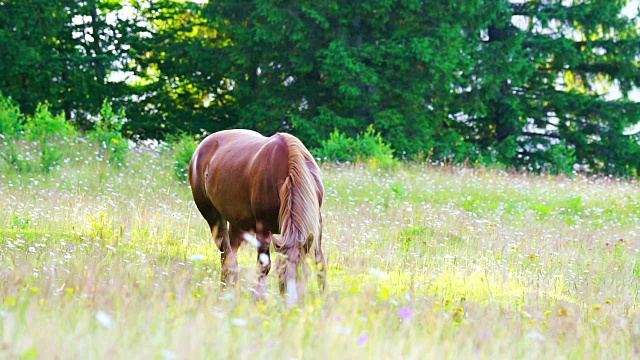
(48, 131)
(108, 134)
(562, 158)
(11, 128)
(366, 147)
(11, 119)
(183, 148)
(44, 131)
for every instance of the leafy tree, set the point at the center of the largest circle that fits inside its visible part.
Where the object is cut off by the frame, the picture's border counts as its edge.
(309, 67)
(28, 33)
(519, 83)
(179, 83)
(63, 52)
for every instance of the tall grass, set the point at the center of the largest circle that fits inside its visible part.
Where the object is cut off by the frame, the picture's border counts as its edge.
(104, 262)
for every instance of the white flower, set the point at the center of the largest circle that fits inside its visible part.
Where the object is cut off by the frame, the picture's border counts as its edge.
(534, 335)
(104, 319)
(238, 322)
(378, 273)
(197, 257)
(251, 239)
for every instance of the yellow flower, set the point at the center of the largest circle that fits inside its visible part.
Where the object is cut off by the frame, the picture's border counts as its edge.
(562, 312)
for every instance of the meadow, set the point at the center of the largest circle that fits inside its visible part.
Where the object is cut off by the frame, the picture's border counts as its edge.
(424, 262)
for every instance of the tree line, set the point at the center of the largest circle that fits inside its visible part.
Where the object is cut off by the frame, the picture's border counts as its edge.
(517, 83)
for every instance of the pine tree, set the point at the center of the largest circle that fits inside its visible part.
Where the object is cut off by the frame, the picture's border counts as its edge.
(537, 92)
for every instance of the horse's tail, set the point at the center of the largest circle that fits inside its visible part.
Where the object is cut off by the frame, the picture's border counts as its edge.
(299, 215)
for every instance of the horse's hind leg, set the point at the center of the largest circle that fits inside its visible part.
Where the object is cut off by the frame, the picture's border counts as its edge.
(318, 258)
(229, 256)
(217, 224)
(321, 266)
(288, 272)
(218, 227)
(319, 262)
(264, 262)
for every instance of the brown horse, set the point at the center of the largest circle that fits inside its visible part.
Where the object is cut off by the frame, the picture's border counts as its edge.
(267, 185)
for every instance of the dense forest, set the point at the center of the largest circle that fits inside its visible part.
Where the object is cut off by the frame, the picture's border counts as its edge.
(525, 84)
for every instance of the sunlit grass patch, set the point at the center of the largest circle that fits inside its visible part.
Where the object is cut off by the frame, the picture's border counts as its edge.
(422, 263)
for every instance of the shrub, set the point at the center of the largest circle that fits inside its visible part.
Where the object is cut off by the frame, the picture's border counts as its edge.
(11, 119)
(339, 147)
(562, 158)
(49, 132)
(183, 146)
(366, 147)
(108, 134)
(11, 129)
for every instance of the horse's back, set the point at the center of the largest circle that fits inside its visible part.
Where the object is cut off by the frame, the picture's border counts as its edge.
(239, 172)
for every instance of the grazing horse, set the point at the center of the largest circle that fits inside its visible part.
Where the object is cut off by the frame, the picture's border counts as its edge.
(269, 185)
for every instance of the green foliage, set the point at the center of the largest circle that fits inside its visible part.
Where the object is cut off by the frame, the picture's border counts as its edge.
(366, 147)
(529, 89)
(339, 147)
(563, 158)
(636, 267)
(44, 127)
(49, 132)
(107, 134)
(44, 60)
(491, 82)
(11, 129)
(183, 148)
(11, 119)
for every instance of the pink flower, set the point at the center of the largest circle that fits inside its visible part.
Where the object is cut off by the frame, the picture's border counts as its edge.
(405, 313)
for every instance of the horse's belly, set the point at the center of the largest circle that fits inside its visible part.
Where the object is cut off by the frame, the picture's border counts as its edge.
(252, 223)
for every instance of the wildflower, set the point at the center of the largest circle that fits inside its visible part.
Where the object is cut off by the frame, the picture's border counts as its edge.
(251, 239)
(378, 273)
(104, 319)
(362, 339)
(238, 322)
(405, 313)
(562, 312)
(168, 355)
(197, 257)
(534, 335)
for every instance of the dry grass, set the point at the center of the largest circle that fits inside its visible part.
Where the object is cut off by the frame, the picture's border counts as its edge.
(97, 262)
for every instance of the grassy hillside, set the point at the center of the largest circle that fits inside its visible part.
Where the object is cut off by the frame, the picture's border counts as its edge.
(98, 261)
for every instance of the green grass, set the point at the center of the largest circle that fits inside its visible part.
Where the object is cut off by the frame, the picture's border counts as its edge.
(104, 262)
